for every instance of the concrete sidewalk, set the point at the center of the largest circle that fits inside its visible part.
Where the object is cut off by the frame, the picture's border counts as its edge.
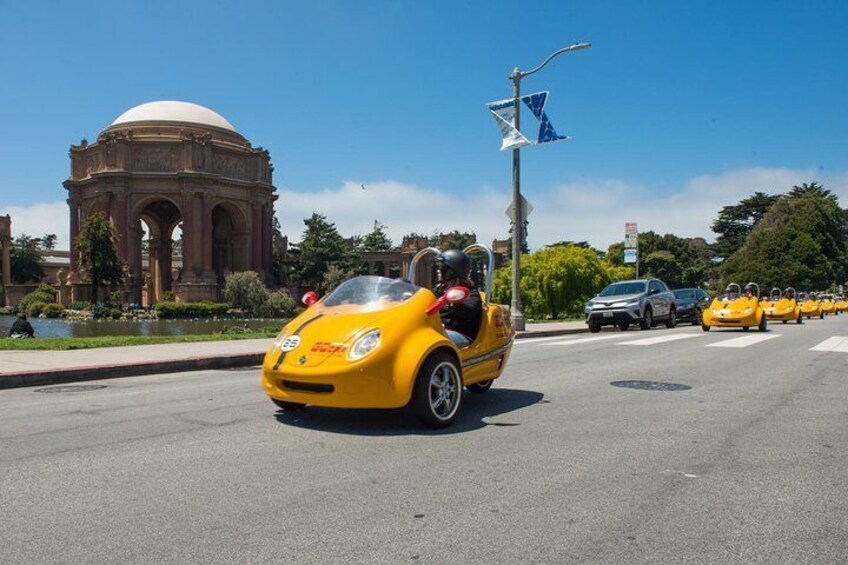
(31, 368)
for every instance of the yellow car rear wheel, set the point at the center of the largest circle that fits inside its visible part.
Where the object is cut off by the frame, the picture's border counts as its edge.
(481, 387)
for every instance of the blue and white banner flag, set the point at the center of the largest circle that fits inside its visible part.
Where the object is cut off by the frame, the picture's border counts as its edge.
(504, 113)
(536, 103)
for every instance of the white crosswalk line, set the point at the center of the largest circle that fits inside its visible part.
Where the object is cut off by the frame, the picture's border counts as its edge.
(744, 341)
(540, 340)
(837, 344)
(660, 339)
(585, 340)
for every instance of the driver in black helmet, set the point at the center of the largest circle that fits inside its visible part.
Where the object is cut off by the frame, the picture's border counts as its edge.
(461, 319)
(748, 291)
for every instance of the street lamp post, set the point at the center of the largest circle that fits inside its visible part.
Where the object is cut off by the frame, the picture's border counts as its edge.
(516, 309)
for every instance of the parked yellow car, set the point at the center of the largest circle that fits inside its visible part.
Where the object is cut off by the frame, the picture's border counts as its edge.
(841, 304)
(782, 306)
(810, 306)
(376, 342)
(736, 309)
(828, 303)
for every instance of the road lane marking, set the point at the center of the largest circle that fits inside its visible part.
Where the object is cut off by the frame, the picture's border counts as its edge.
(538, 340)
(660, 339)
(744, 341)
(586, 339)
(838, 344)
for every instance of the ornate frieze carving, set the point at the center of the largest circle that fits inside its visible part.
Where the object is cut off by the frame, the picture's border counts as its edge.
(232, 166)
(155, 159)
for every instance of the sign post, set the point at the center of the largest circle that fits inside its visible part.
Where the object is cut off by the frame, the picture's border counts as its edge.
(631, 245)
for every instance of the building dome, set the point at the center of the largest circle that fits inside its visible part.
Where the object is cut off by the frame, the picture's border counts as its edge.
(173, 111)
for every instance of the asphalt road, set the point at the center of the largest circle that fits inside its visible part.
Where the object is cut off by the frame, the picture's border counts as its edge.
(553, 465)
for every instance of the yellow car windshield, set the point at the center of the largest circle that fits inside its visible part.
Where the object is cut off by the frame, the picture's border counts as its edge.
(370, 294)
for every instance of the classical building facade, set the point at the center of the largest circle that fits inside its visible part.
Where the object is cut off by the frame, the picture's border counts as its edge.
(164, 165)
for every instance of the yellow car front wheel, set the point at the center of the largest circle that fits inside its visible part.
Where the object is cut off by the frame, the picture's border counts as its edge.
(437, 396)
(288, 406)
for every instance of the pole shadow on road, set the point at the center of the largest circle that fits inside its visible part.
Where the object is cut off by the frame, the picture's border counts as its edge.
(475, 409)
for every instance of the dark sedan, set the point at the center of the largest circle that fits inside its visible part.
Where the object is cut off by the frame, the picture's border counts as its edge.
(691, 303)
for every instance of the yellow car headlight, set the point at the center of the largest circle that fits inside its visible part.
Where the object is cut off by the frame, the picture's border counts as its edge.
(364, 345)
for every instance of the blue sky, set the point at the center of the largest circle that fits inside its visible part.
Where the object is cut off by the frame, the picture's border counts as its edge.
(677, 104)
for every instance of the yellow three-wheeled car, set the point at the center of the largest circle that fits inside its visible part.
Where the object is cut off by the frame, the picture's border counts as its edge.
(782, 306)
(733, 309)
(376, 342)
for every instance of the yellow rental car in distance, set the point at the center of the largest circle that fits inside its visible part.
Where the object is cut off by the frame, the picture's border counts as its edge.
(735, 308)
(810, 305)
(782, 306)
(769, 301)
(376, 342)
(828, 302)
(841, 304)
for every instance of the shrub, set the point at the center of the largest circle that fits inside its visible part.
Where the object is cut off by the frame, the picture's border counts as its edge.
(103, 312)
(53, 310)
(192, 309)
(80, 305)
(34, 309)
(245, 291)
(278, 304)
(169, 296)
(44, 293)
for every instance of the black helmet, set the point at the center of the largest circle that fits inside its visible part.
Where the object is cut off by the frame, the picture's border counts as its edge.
(453, 264)
(749, 287)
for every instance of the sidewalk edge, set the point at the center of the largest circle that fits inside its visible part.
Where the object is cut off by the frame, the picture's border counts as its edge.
(78, 374)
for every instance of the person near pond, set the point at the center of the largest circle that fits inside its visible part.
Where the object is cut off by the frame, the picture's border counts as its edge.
(461, 319)
(21, 328)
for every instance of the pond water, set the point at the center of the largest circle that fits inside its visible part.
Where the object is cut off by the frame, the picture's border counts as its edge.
(93, 328)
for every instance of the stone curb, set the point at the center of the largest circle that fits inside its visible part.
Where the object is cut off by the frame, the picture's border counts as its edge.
(80, 374)
(77, 374)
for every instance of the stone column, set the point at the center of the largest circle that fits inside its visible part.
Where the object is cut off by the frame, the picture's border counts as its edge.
(153, 270)
(256, 231)
(267, 237)
(7, 267)
(188, 237)
(122, 225)
(206, 222)
(75, 227)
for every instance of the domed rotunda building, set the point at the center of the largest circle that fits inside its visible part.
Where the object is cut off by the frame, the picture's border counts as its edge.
(170, 164)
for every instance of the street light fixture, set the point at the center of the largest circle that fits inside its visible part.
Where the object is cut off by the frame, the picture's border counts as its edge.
(516, 309)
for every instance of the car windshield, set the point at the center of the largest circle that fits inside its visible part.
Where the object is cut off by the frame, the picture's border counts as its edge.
(617, 289)
(684, 294)
(373, 292)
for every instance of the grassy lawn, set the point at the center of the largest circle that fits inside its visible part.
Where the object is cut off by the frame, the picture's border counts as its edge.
(64, 343)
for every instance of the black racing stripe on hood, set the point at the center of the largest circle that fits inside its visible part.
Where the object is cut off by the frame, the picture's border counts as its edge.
(295, 332)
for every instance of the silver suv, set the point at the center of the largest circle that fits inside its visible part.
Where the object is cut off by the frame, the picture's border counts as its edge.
(643, 302)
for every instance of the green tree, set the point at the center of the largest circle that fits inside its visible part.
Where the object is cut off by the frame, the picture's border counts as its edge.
(663, 265)
(97, 247)
(334, 277)
(375, 240)
(555, 281)
(25, 261)
(321, 247)
(48, 242)
(798, 242)
(735, 222)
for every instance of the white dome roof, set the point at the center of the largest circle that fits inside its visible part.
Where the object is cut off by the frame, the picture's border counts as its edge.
(173, 111)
